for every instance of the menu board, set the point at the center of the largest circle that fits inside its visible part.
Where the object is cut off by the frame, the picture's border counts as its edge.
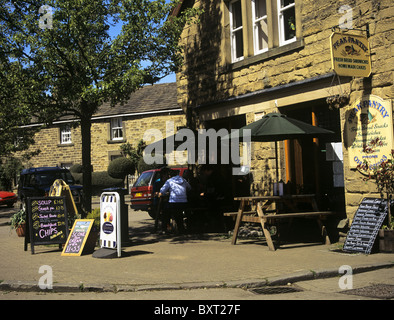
(77, 238)
(365, 226)
(47, 221)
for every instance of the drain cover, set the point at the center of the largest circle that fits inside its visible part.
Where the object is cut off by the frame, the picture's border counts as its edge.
(275, 290)
(379, 291)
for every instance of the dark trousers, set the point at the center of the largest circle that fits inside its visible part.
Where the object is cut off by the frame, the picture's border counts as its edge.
(175, 210)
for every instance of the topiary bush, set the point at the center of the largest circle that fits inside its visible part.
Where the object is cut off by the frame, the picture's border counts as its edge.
(120, 167)
(102, 180)
(76, 168)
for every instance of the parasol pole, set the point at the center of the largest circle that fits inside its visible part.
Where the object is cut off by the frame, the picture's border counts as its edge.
(277, 169)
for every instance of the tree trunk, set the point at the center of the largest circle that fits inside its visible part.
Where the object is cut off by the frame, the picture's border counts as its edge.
(388, 210)
(86, 164)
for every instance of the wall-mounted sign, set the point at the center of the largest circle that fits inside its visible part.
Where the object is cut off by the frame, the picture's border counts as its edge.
(350, 55)
(366, 119)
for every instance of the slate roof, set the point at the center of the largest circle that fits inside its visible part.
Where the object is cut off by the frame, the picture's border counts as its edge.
(157, 97)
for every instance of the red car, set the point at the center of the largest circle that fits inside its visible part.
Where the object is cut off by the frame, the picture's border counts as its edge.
(8, 198)
(142, 190)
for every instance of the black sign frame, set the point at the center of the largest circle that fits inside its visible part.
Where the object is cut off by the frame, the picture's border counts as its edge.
(47, 206)
(367, 221)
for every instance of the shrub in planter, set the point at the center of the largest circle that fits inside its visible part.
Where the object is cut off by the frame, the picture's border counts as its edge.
(95, 214)
(18, 222)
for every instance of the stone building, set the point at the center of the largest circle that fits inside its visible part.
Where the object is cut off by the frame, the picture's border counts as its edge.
(247, 58)
(149, 107)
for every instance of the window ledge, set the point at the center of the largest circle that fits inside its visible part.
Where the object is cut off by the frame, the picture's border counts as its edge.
(271, 53)
(65, 144)
(116, 141)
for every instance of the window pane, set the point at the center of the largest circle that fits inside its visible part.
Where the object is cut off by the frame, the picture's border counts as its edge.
(261, 8)
(262, 35)
(116, 129)
(237, 14)
(289, 23)
(285, 3)
(239, 44)
(65, 135)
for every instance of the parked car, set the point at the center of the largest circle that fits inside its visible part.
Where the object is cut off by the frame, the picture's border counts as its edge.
(7, 198)
(36, 182)
(142, 190)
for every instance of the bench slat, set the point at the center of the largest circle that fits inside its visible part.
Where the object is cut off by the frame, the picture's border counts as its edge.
(299, 214)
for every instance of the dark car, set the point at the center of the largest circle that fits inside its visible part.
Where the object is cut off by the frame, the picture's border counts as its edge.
(142, 190)
(7, 198)
(36, 182)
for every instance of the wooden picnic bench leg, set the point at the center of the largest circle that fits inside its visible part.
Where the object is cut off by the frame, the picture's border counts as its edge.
(323, 231)
(238, 221)
(265, 229)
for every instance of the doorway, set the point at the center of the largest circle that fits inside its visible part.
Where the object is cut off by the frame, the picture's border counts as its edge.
(310, 168)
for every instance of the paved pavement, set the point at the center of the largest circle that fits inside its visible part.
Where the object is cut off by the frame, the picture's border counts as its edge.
(153, 262)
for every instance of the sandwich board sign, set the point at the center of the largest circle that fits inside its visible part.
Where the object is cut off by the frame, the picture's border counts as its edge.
(110, 236)
(79, 239)
(46, 221)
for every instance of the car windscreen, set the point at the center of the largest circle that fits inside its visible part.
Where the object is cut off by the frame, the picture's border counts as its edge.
(144, 179)
(47, 178)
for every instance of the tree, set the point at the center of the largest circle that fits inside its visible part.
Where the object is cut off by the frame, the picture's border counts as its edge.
(64, 47)
(134, 154)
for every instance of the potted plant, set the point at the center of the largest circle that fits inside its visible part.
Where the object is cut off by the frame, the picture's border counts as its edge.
(95, 231)
(18, 222)
(383, 176)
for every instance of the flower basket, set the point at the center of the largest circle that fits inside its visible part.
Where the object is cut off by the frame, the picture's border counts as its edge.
(337, 101)
(21, 230)
(386, 241)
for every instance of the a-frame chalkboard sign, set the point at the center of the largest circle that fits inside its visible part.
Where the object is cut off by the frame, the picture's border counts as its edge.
(367, 221)
(79, 237)
(46, 222)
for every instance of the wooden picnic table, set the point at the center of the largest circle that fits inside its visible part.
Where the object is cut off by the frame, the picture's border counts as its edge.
(260, 215)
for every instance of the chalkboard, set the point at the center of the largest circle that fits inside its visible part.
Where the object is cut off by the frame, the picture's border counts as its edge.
(365, 226)
(78, 237)
(47, 221)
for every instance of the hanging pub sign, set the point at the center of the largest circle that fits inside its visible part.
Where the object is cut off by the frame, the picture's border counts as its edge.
(350, 55)
(366, 119)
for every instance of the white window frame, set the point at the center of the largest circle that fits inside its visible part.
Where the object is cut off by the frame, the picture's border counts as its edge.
(233, 31)
(116, 129)
(65, 135)
(256, 22)
(281, 21)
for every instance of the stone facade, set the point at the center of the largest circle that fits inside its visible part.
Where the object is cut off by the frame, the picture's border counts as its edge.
(286, 76)
(159, 109)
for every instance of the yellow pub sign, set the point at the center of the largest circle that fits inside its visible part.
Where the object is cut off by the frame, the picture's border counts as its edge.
(350, 55)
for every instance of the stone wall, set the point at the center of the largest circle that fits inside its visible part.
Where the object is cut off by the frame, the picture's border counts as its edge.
(209, 76)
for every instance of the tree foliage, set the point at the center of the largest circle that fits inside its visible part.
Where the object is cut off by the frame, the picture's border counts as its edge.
(60, 57)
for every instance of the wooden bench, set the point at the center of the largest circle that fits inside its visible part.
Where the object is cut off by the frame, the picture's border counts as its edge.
(264, 219)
